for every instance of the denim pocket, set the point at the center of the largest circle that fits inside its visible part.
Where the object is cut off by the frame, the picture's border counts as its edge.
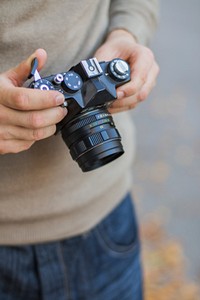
(118, 232)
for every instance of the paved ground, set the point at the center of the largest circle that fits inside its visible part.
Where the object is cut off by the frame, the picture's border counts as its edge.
(167, 169)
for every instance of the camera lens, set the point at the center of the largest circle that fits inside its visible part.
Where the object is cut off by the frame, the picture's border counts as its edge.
(93, 139)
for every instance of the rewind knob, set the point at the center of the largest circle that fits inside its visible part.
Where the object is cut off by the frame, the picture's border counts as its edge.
(44, 85)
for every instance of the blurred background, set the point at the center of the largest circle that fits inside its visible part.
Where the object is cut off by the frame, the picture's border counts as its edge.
(167, 167)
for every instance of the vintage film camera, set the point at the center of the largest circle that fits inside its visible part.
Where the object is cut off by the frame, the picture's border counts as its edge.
(89, 88)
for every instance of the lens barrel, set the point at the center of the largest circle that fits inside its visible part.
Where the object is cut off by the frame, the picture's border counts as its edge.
(93, 139)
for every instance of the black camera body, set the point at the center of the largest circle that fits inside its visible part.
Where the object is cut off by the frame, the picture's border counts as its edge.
(89, 88)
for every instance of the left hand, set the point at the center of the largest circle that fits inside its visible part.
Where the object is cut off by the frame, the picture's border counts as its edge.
(144, 69)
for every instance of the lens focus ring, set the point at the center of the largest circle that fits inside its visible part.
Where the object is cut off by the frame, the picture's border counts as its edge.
(96, 142)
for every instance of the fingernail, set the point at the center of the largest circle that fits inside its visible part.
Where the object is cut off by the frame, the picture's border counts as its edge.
(59, 99)
(65, 112)
(120, 94)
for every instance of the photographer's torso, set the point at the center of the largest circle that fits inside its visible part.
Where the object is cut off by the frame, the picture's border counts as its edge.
(43, 193)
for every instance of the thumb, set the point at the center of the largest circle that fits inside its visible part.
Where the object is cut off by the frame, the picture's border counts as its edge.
(105, 53)
(19, 74)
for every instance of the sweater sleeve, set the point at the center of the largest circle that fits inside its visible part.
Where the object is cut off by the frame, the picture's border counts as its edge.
(139, 17)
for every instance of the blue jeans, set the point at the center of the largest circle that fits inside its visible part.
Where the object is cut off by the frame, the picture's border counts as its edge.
(102, 264)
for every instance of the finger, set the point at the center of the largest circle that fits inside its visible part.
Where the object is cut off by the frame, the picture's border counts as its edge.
(20, 133)
(114, 110)
(149, 84)
(124, 102)
(30, 99)
(139, 72)
(131, 102)
(14, 146)
(106, 53)
(19, 74)
(33, 119)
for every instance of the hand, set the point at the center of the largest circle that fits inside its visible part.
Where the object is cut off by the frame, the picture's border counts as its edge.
(26, 115)
(144, 68)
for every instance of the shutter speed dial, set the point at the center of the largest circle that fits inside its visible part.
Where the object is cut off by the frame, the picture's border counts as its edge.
(119, 69)
(72, 82)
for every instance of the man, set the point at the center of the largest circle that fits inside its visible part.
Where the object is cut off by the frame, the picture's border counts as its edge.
(67, 234)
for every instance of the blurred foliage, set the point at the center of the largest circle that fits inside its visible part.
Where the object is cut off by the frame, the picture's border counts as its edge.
(164, 265)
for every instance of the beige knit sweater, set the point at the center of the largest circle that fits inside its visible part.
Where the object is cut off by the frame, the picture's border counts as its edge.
(43, 193)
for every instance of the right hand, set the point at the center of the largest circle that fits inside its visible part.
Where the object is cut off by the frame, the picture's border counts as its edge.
(26, 115)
